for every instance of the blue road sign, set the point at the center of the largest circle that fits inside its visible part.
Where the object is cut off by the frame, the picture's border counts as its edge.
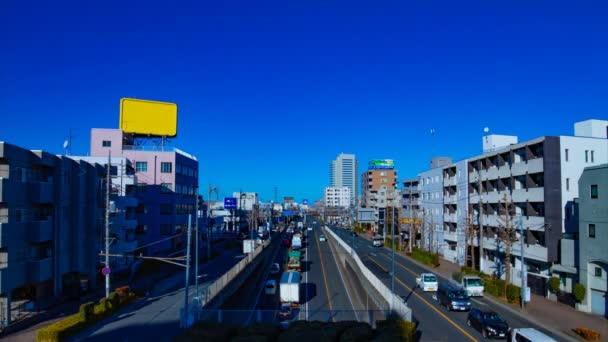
(288, 213)
(230, 203)
(305, 202)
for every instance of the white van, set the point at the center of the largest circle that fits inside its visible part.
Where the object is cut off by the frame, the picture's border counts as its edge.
(473, 286)
(529, 335)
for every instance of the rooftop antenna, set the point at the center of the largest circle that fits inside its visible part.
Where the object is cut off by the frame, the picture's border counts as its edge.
(66, 144)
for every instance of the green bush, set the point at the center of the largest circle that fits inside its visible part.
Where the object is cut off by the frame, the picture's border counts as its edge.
(494, 287)
(513, 293)
(113, 301)
(389, 243)
(579, 292)
(554, 285)
(457, 276)
(86, 311)
(395, 330)
(425, 257)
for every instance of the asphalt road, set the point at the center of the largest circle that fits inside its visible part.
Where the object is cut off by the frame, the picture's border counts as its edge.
(435, 323)
(322, 290)
(156, 318)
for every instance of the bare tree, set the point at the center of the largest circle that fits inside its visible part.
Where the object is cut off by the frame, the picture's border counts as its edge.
(423, 230)
(506, 232)
(432, 236)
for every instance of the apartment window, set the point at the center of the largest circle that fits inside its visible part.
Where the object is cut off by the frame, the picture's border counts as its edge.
(598, 272)
(178, 169)
(166, 187)
(166, 167)
(567, 184)
(3, 257)
(166, 229)
(591, 228)
(382, 173)
(568, 213)
(586, 156)
(594, 191)
(141, 209)
(19, 215)
(592, 153)
(567, 154)
(166, 209)
(106, 143)
(141, 166)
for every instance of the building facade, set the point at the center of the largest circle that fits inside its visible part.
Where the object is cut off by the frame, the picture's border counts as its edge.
(167, 179)
(123, 216)
(343, 172)
(379, 192)
(50, 215)
(456, 216)
(593, 235)
(337, 196)
(431, 207)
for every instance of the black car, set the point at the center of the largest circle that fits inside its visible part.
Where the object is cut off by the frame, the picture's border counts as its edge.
(453, 297)
(489, 323)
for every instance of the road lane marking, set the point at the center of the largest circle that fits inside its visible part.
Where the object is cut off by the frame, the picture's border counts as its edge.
(324, 278)
(431, 306)
(400, 264)
(478, 302)
(379, 265)
(338, 263)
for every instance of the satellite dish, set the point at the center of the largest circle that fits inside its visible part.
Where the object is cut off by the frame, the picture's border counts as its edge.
(486, 129)
(65, 144)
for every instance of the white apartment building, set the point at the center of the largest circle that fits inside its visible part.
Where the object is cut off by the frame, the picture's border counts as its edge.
(343, 173)
(336, 196)
(246, 200)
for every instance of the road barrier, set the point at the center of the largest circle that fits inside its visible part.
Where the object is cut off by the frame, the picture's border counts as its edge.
(396, 304)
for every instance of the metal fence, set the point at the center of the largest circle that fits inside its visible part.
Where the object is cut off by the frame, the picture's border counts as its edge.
(242, 318)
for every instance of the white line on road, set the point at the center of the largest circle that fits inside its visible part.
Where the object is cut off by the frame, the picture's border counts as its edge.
(307, 271)
(478, 302)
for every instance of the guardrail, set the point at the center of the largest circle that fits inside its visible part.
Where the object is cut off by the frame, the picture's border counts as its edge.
(396, 304)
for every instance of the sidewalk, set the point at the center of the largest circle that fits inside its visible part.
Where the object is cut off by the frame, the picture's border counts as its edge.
(553, 316)
(25, 330)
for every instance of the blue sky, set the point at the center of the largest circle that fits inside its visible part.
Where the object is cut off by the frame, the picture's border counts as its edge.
(270, 92)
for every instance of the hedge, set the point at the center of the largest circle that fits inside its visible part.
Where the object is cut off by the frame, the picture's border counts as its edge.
(588, 334)
(513, 293)
(425, 257)
(88, 315)
(554, 285)
(389, 243)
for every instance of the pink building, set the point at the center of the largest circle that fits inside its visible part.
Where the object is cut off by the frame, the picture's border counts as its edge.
(165, 187)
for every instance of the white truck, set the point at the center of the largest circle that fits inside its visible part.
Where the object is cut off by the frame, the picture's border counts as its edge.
(473, 285)
(300, 225)
(248, 246)
(289, 288)
(296, 242)
(427, 282)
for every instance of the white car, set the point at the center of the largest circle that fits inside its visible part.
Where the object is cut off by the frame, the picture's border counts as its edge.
(322, 238)
(309, 229)
(427, 282)
(275, 268)
(271, 287)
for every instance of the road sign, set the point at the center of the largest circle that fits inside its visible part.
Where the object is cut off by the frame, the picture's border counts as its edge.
(288, 213)
(105, 271)
(305, 202)
(230, 203)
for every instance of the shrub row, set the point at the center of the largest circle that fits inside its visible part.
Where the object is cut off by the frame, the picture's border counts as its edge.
(88, 315)
(588, 334)
(425, 257)
(389, 330)
(389, 243)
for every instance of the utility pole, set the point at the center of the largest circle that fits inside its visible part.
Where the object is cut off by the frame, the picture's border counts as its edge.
(411, 220)
(393, 248)
(523, 263)
(108, 186)
(187, 271)
(196, 237)
(209, 225)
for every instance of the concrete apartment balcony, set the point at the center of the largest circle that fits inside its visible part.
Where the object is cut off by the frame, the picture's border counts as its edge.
(449, 217)
(532, 166)
(531, 195)
(41, 231)
(450, 199)
(492, 196)
(491, 173)
(450, 236)
(534, 252)
(534, 222)
(5, 188)
(473, 177)
(450, 181)
(491, 220)
(39, 270)
(46, 192)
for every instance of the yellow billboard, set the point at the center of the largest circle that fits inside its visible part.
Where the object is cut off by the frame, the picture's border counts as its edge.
(406, 220)
(149, 118)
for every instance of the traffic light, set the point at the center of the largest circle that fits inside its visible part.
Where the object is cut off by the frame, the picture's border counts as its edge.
(199, 202)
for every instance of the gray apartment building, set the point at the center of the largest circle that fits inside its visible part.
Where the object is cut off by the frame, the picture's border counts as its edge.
(49, 215)
(431, 205)
(593, 236)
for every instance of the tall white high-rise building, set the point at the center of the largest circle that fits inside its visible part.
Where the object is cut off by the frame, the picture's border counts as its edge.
(343, 173)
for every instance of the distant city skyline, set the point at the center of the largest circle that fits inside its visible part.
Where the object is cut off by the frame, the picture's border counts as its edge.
(267, 95)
